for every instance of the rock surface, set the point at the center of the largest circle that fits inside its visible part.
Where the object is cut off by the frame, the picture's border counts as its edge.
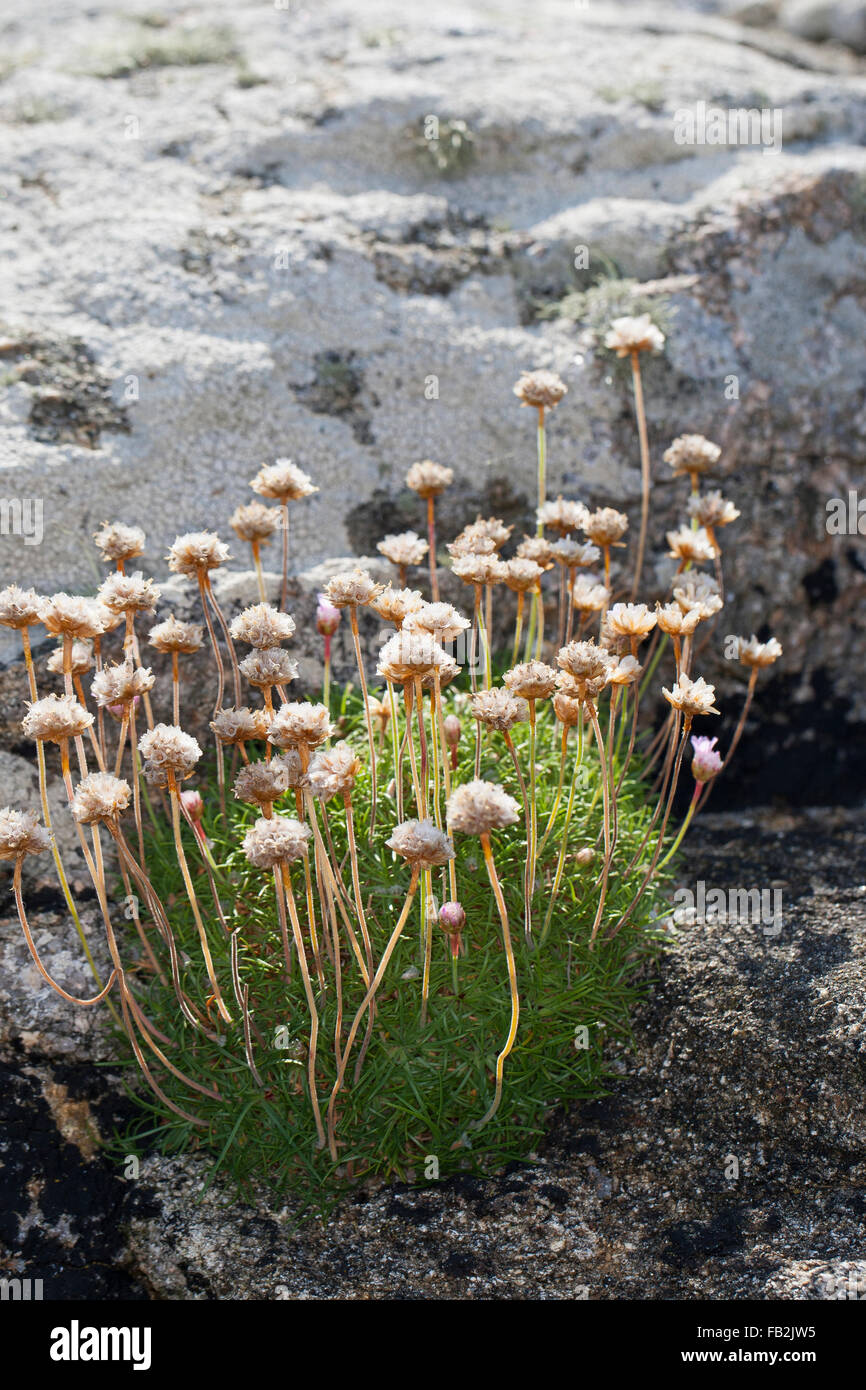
(750, 1047)
(224, 237)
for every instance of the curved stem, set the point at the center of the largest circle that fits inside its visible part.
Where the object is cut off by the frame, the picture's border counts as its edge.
(644, 469)
(287, 897)
(353, 614)
(366, 1001)
(512, 981)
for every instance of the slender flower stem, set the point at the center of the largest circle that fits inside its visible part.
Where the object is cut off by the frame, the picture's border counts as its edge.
(46, 816)
(605, 792)
(365, 1003)
(431, 551)
(518, 625)
(512, 981)
(542, 469)
(326, 683)
(531, 848)
(693, 805)
(31, 945)
(260, 578)
(353, 615)
(287, 897)
(395, 750)
(640, 412)
(563, 844)
(284, 589)
(559, 785)
(174, 794)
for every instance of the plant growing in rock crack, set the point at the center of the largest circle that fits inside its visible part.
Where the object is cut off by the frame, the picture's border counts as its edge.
(282, 1010)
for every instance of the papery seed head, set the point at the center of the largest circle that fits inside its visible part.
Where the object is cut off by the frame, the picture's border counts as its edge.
(21, 833)
(100, 796)
(540, 388)
(429, 479)
(283, 481)
(421, 844)
(196, 553)
(119, 542)
(276, 840)
(299, 724)
(55, 719)
(173, 635)
(479, 807)
(262, 625)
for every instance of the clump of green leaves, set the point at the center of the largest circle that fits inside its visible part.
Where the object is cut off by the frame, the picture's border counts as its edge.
(422, 1089)
(609, 298)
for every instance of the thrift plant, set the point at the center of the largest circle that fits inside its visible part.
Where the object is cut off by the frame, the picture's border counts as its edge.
(383, 934)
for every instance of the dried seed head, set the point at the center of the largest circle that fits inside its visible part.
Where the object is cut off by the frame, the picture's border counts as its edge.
(567, 709)
(20, 608)
(540, 388)
(173, 635)
(352, 589)
(276, 840)
(120, 682)
(283, 481)
(626, 671)
(479, 569)
(562, 515)
(404, 549)
(261, 784)
(299, 724)
(56, 718)
(755, 653)
(332, 772)
(532, 680)
(471, 542)
(478, 807)
(429, 479)
(440, 620)
(421, 844)
(128, 593)
(240, 725)
(631, 620)
(706, 762)
(586, 670)
(197, 552)
(119, 542)
(268, 668)
(255, 522)
(167, 749)
(692, 454)
(395, 605)
(67, 615)
(634, 334)
(692, 546)
(675, 621)
(21, 834)
(606, 526)
(588, 596)
(409, 654)
(575, 555)
(100, 796)
(536, 548)
(711, 509)
(692, 697)
(698, 593)
(262, 626)
(80, 659)
(522, 574)
(498, 709)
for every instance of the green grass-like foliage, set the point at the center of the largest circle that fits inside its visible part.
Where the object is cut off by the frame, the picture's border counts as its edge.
(422, 1089)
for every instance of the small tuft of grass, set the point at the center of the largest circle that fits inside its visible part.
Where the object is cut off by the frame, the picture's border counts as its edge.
(166, 48)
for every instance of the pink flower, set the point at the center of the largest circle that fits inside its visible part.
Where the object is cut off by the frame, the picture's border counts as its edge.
(193, 804)
(452, 918)
(327, 617)
(706, 762)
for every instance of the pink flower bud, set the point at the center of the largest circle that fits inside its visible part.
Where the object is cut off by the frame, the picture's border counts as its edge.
(192, 803)
(327, 617)
(706, 762)
(453, 730)
(452, 918)
(585, 857)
